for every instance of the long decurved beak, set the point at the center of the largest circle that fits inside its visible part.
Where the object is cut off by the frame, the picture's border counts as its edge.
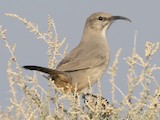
(119, 17)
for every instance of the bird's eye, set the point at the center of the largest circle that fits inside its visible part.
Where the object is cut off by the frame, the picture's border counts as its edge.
(100, 18)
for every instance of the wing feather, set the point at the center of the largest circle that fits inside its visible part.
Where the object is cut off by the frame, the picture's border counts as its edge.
(82, 60)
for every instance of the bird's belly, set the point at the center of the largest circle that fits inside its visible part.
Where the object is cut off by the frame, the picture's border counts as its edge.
(82, 78)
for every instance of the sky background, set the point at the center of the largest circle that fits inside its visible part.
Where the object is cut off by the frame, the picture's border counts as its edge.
(69, 18)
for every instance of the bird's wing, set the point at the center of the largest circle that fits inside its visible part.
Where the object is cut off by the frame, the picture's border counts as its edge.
(82, 60)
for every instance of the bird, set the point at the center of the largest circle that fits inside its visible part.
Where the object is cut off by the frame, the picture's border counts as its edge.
(87, 62)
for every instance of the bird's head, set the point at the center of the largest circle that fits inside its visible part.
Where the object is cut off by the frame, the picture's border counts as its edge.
(101, 21)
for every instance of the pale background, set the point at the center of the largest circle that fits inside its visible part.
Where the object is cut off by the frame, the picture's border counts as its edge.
(70, 17)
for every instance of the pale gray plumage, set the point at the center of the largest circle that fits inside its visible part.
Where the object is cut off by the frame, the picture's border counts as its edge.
(86, 62)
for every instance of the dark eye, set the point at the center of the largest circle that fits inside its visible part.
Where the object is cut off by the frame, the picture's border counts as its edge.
(100, 18)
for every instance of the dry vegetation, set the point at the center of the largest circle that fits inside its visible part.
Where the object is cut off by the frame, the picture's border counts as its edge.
(37, 103)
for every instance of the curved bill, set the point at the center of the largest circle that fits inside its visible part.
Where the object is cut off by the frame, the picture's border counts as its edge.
(120, 17)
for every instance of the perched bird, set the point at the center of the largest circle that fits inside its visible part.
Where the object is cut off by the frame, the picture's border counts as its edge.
(86, 62)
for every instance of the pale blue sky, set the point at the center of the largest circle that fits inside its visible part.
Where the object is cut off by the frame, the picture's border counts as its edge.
(70, 17)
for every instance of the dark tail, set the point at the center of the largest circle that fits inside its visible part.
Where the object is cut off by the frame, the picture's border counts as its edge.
(54, 74)
(43, 69)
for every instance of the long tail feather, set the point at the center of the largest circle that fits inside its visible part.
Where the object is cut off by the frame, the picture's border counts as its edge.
(41, 69)
(54, 74)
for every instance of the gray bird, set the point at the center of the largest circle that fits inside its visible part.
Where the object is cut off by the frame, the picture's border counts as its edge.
(88, 61)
